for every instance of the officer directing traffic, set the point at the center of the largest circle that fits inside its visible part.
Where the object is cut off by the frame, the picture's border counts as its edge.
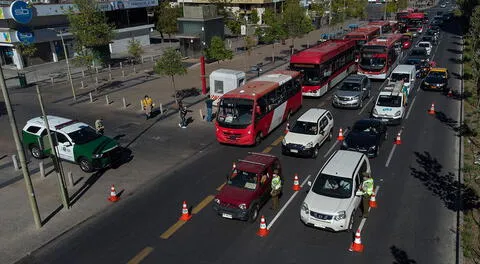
(276, 189)
(367, 191)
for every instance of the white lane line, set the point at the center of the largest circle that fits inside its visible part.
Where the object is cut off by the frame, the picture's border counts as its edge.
(410, 109)
(436, 49)
(365, 106)
(286, 204)
(418, 88)
(362, 223)
(335, 144)
(390, 155)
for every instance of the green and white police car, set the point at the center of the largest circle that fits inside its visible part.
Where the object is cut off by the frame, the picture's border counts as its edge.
(77, 142)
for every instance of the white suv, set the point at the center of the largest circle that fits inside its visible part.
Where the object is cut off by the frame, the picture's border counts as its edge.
(427, 45)
(332, 200)
(308, 133)
(390, 106)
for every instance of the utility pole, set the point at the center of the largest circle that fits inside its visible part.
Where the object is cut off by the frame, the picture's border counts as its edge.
(68, 67)
(53, 149)
(21, 153)
(385, 11)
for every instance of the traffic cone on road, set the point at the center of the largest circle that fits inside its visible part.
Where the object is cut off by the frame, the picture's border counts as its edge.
(450, 94)
(357, 246)
(340, 135)
(373, 202)
(234, 166)
(296, 184)
(398, 140)
(113, 195)
(287, 128)
(432, 109)
(185, 213)
(263, 231)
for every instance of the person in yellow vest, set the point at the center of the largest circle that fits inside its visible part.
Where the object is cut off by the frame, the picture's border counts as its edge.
(147, 104)
(367, 190)
(276, 189)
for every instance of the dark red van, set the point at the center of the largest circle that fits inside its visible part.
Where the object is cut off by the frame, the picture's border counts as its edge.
(244, 194)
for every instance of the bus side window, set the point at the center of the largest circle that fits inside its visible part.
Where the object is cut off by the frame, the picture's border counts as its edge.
(262, 106)
(282, 92)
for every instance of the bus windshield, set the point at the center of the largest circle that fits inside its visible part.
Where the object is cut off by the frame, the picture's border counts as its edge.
(312, 75)
(235, 112)
(373, 58)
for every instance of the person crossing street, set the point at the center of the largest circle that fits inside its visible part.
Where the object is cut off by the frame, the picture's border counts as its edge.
(99, 126)
(276, 189)
(367, 189)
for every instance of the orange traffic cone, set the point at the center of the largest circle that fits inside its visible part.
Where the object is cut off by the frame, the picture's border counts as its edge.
(234, 166)
(185, 213)
(432, 109)
(296, 185)
(287, 128)
(373, 202)
(340, 135)
(398, 140)
(450, 94)
(113, 195)
(263, 231)
(357, 246)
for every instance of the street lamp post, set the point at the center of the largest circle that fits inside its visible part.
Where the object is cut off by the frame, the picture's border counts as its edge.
(68, 63)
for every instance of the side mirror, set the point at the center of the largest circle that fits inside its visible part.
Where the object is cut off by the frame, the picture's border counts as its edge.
(359, 193)
(309, 183)
(364, 88)
(68, 144)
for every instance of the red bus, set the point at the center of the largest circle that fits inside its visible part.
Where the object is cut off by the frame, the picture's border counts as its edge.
(415, 22)
(324, 65)
(385, 26)
(363, 35)
(247, 114)
(379, 56)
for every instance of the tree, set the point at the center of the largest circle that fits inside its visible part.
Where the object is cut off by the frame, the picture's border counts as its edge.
(222, 7)
(295, 21)
(166, 18)
(234, 25)
(135, 50)
(272, 32)
(254, 18)
(170, 64)
(392, 7)
(474, 34)
(91, 31)
(27, 50)
(218, 51)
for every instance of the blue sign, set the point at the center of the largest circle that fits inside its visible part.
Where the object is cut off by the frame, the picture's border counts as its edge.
(21, 12)
(26, 37)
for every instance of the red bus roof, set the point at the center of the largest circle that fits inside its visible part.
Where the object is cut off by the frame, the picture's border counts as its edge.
(260, 86)
(362, 32)
(386, 40)
(322, 52)
(379, 23)
(416, 16)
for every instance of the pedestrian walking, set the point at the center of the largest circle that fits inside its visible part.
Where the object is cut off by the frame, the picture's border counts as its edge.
(209, 105)
(99, 126)
(147, 104)
(367, 190)
(276, 189)
(183, 114)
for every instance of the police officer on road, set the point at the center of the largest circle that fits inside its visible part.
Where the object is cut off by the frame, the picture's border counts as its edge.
(367, 189)
(276, 189)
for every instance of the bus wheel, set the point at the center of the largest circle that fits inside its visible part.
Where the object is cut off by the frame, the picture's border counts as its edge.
(258, 139)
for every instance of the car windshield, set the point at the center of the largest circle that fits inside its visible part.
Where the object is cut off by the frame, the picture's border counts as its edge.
(84, 135)
(301, 127)
(364, 127)
(235, 112)
(389, 100)
(333, 186)
(419, 52)
(427, 39)
(434, 74)
(399, 77)
(243, 179)
(350, 86)
(424, 45)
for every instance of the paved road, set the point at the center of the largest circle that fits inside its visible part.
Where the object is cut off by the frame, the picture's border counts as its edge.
(415, 220)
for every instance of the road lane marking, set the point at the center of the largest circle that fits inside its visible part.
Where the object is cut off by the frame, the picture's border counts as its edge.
(277, 141)
(371, 97)
(141, 255)
(202, 204)
(362, 223)
(322, 104)
(411, 106)
(286, 204)
(334, 144)
(365, 106)
(219, 188)
(390, 155)
(267, 149)
(418, 88)
(172, 229)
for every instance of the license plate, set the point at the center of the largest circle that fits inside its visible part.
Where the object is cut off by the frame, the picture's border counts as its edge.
(385, 120)
(294, 151)
(229, 216)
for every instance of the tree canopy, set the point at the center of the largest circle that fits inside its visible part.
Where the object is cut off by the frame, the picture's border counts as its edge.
(135, 49)
(166, 18)
(170, 64)
(295, 20)
(254, 18)
(218, 51)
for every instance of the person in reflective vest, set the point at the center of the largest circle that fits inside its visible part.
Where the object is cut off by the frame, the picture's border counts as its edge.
(367, 189)
(276, 189)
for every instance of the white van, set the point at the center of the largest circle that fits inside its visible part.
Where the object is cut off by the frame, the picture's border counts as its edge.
(405, 73)
(223, 81)
(390, 104)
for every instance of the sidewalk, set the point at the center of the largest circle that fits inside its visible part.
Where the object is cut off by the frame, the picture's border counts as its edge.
(18, 235)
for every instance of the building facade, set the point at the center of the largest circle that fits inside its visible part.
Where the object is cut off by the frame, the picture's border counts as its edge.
(44, 25)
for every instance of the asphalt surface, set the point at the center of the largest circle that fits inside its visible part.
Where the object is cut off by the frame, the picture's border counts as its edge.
(415, 220)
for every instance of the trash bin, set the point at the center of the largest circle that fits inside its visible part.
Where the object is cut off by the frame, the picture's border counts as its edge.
(22, 79)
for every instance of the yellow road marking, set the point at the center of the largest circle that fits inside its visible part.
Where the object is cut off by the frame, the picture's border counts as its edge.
(172, 229)
(202, 204)
(219, 188)
(141, 255)
(277, 141)
(267, 149)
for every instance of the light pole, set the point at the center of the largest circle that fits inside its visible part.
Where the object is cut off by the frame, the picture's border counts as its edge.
(68, 63)
(385, 11)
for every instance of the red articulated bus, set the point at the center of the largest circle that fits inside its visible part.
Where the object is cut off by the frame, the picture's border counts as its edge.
(385, 26)
(324, 65)
(415, 22)
(250, 112)
(380, 56)
(363, 35)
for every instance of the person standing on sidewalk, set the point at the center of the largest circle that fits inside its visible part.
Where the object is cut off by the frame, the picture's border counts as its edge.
(209, 105)
(147, 104)
(99, 126)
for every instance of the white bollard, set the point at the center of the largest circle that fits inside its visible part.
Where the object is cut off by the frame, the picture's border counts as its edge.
(42, 170)
(142, 59)
(81, 82)
(96, 70)
(71, 183)
(91, 98)
(83, 73)
(109, 76)
(109, 68)
(161, 109)
(96, 80)
(106, 100)
(124, 103)
(134, 70)
(51, 80)
(121, 65)
(201, 114)
(15, 162)
(123, 74)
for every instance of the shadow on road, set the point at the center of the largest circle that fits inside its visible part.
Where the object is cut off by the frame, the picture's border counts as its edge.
(400, 256)
(444, 184)
(450, 122)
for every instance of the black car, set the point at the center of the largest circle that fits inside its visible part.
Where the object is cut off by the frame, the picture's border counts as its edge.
(430, 39)
(366, 136)
(435, 80)
(435, 28)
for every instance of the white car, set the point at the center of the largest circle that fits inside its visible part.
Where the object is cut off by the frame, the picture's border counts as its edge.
(390, 104)
(333, 197)
(308, 133)
(427, 45)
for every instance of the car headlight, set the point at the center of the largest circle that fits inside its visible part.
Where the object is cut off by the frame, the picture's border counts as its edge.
(375, 112)
(217, 200)
(305, 208)
(97, 156)
(284, 142)
(335, 97)
(426, 83)
(242, 206)
(398, 113)
(309, 145)
(356, 97)
(340, 215)
(344, 144)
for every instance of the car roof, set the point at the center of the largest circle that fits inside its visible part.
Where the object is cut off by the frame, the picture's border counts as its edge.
(255, 162)
(424, 42)
(342, 163)
(439, 69)
(403, 68)
(58, 123)
(312, 115)
(355, 78)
